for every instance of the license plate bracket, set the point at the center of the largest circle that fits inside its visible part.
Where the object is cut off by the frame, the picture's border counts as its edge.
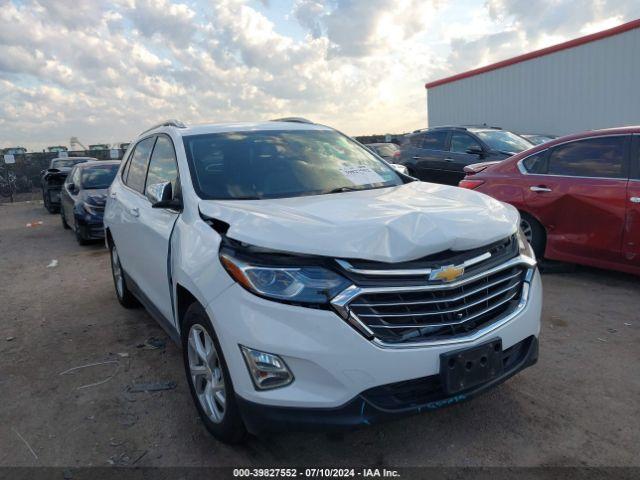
(469, 367)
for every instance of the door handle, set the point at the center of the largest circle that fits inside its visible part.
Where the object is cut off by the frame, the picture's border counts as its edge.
(634, 199)
(416, 158)
(134, 212)
(539, 189)
(448, 159)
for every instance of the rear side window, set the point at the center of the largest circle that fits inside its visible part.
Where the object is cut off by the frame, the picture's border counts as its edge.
(536, 163)
(137, 168)
(162, 166)
(593, 157)
(434, 140)
(416, 140)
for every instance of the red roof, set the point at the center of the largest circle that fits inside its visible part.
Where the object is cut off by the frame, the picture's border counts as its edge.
(539, 53)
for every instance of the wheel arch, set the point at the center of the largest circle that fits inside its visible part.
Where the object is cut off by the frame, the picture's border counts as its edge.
(545, 239)
(107, 237)
(522, 211)
(184, 298)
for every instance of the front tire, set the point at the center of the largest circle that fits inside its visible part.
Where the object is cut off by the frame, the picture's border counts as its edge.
(126, 298)
(80, 238)
(534, 232)
(208, 377)
(65, 225)
(47, 202)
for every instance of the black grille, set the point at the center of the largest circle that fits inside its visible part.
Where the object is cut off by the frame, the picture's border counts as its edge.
(414, 315)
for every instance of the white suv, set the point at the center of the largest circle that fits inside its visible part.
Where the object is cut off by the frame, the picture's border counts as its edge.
(311, 284)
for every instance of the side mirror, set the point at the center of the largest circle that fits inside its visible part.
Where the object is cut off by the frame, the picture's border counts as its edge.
(161, 196)
(400, 168)
(475, 150)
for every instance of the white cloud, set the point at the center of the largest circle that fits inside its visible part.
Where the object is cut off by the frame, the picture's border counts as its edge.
(101, 70)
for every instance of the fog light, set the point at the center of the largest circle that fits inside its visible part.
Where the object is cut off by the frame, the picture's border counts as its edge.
(267, 370)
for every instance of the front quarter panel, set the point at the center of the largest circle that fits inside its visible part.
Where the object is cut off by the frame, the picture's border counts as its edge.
(195, 262)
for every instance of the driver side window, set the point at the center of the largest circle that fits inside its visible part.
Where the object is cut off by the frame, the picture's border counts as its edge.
(74, 177)
(162, 166)
(461, 142)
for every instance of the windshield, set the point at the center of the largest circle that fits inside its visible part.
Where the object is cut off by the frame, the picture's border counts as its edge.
(66, 163)
(282, 163)
(503, 141)
(98, 176)
(538, 139)
(386, 150)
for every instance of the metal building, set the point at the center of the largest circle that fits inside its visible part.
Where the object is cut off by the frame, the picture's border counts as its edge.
(587, 83)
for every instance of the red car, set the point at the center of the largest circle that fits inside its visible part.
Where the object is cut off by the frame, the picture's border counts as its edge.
(579, 196)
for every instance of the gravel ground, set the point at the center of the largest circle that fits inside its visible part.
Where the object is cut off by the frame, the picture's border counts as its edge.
(578, 406)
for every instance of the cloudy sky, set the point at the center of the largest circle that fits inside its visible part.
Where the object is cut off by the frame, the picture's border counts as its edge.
(103, 70)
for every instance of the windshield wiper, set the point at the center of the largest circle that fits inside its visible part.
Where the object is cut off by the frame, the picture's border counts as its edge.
(343, 189)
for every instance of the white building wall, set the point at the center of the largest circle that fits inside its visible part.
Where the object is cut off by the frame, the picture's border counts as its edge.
(594, 85)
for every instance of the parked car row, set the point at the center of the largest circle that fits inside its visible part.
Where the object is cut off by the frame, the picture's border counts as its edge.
(440, 154)
(76, 187)
(83, 198)
(578, 196)
(52, 179)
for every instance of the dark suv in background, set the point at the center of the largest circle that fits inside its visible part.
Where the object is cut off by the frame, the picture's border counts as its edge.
(440, 154)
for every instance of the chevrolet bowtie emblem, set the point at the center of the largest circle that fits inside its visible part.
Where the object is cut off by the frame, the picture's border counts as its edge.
(448, 273)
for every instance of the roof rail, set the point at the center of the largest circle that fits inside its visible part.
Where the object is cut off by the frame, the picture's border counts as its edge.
(483, 125)
(172, 122)
(291, 119)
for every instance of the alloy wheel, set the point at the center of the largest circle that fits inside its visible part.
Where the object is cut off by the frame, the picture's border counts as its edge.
(526, 229)
(206, 373)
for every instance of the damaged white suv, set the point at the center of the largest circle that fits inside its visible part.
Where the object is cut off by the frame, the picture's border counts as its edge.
(312, 285)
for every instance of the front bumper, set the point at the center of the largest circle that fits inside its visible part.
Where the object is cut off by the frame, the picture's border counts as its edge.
(382, 403)
(332, 363)
(91, 226)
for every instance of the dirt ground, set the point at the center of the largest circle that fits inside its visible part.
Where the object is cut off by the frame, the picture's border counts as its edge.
(578, 406)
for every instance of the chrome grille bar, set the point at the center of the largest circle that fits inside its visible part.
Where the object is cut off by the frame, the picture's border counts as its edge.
(486, 300)
(440, 312)
(444, 324)
(439, 300)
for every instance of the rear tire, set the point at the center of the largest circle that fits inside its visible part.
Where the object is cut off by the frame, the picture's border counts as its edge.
(208, 377)
(126, 298)
(535, 233)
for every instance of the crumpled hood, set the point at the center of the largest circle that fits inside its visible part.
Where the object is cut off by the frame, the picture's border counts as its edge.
(389, 225)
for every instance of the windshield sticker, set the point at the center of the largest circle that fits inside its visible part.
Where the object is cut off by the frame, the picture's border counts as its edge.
(361, 175)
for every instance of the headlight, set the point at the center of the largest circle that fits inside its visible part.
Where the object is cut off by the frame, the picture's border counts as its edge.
(91, 209)
(523, 246)
(312, 285)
